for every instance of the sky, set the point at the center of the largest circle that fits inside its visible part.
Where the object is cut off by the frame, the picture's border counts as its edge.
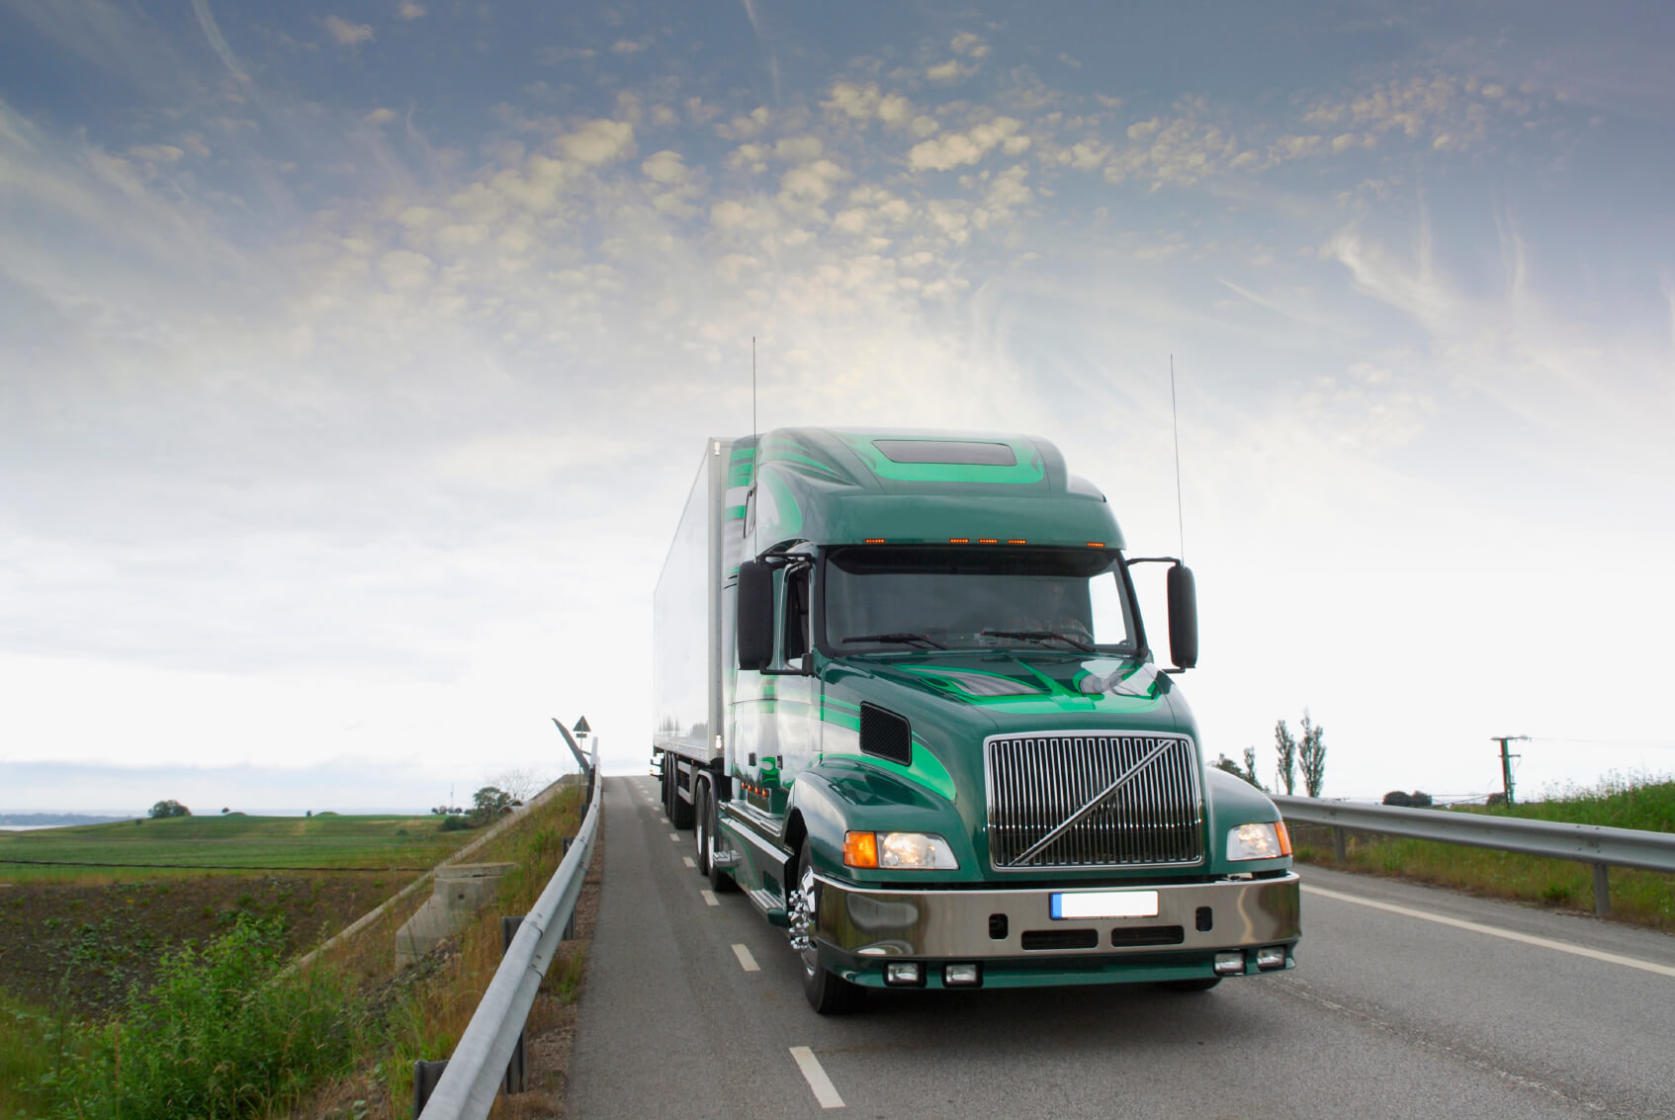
(356, 358)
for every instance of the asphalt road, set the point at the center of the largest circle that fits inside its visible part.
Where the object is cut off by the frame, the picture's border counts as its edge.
(1406, 1002)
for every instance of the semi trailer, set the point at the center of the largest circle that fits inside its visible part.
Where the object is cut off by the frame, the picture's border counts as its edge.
(906, 703)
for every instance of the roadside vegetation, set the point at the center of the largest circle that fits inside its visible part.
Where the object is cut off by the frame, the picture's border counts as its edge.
(220, 1026)
(1640, 897)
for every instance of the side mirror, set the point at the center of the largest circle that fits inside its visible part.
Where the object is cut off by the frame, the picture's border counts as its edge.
(1183, 617)
(755, 629)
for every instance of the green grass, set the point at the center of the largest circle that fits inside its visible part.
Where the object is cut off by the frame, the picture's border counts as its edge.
(1641, 897)
(232, 841)
(223, 1033)
(29, 1048)
(1632, 801)
(219, 1034)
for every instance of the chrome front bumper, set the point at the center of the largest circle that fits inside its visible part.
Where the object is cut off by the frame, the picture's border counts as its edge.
(873, 922)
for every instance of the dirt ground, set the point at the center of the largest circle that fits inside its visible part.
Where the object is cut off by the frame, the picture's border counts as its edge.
(81, 946)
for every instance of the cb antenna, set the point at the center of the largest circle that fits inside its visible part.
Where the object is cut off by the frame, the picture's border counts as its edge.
(1175, 419)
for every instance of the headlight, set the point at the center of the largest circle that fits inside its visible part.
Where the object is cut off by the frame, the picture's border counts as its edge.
(1267, 840)
(899, 851)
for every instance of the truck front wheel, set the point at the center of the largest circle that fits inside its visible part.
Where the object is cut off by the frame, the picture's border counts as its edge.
(827, 992)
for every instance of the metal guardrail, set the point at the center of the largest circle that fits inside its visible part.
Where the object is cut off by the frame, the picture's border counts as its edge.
(1598, 845)
(478, 1065)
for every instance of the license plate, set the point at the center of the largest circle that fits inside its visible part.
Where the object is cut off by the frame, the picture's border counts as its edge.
(1104, 904)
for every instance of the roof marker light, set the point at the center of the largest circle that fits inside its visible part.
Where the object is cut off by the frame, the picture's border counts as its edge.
(1096, 544)
(988, 540)
(873, 540)
(959, 540)
(1016, 540)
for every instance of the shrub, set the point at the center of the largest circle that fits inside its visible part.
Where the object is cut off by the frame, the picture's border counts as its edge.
(220, 1033)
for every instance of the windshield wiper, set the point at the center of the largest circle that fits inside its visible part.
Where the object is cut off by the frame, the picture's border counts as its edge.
(897, 636)
(1039, 636)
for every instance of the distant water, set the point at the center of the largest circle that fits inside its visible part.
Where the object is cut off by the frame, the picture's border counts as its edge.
(30, 827)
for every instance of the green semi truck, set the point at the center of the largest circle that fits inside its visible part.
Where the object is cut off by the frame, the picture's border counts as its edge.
(906, 703)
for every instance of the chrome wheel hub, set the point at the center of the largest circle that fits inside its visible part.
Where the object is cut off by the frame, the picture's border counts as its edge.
(801, 920)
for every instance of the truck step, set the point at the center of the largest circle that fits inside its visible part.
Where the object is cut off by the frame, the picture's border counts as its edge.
(769, 903)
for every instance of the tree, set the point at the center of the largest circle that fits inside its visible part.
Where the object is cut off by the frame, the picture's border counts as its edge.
(521, 784)
(490, 803)
(1222, 762)
(1286, 748)
(1311, 752)
(169, 808)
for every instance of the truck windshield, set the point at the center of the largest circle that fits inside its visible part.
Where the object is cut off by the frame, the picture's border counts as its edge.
(884, 598)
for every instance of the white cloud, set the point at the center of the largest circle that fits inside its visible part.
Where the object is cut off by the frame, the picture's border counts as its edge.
(799, 149)
(346, 34)
(402, 268)
(665, 167)
(810, 184)
(380, 116)
(598, 142)
(156, 153)
(745, 125)
(867, 103)
(410, 10)
(958, 149)
(970, 45)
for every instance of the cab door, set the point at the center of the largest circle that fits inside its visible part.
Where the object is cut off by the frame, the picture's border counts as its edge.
(776, 708)
(797, 710)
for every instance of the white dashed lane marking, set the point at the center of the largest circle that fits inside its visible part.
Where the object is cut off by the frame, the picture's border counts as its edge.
(746, 961)
(824, 1091)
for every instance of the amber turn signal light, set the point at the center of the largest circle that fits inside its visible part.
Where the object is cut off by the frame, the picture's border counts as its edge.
(860, 849)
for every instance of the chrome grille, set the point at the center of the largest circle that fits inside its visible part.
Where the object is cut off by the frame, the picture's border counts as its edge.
(1037, 782)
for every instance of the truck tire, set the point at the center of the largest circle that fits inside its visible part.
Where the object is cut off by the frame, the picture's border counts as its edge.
(701, 829)
(707, 815)
(680, 812)
(1202, 984)
(827, 992)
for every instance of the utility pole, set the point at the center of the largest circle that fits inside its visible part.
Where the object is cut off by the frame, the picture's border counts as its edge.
(1506, 760)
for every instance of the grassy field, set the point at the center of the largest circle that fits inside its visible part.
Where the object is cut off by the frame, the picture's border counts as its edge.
(188, 845)
(214, 1022)
(1642, 897)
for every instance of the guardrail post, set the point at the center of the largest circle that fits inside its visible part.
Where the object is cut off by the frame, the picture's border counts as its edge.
(425, 1076)
(1340, 844)
(1602, 889)
(516, 1074)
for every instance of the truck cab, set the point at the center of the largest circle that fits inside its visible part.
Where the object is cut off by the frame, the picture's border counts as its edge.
(943, 754)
